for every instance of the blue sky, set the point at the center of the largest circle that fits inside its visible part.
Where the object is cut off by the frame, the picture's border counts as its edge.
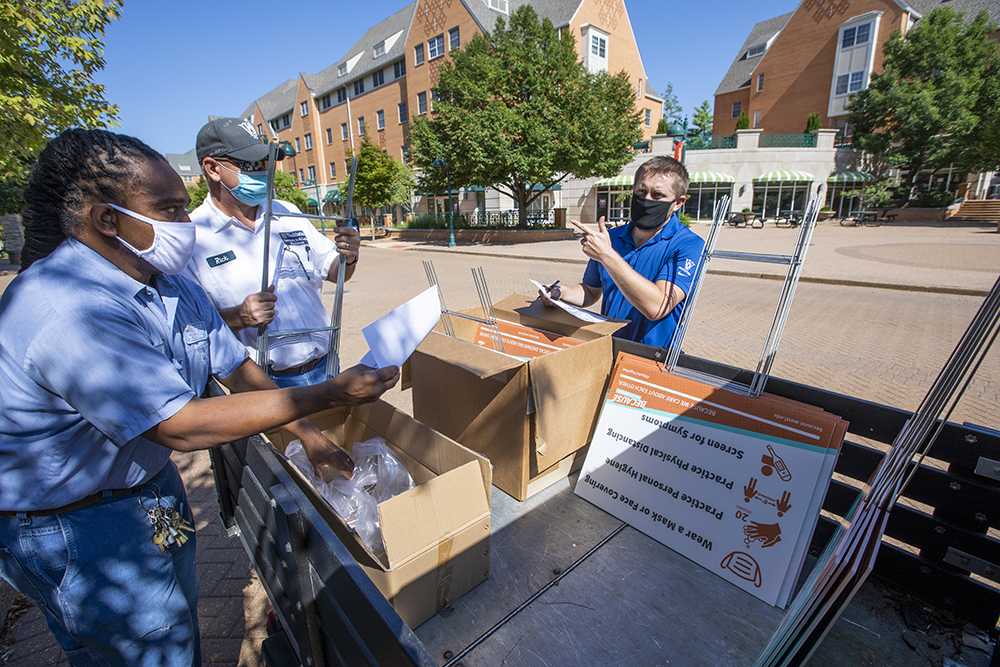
(172, 64)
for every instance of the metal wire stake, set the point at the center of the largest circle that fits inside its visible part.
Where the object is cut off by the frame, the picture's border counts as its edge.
(445, 313)
(272, 159)
(333, 356)
(487, 304)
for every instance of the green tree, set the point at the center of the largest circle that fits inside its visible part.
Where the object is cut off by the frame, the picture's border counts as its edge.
(380, 179)
(702, 120)
(924, 108)
(50, 51)
(197, 193)
(662, 126)
(516, 111)
(813, 122)
(743, 122)
(286, 189)
(672, 110)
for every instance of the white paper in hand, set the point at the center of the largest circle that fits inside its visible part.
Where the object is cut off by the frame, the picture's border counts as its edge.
(578, 313)
(393, 338)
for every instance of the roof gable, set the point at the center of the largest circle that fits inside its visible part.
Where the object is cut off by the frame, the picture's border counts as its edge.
(742, 68)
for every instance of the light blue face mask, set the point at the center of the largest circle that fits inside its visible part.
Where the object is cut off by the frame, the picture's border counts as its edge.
(252, 189)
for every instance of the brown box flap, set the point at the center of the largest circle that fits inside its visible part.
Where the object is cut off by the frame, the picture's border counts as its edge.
(480, 361)
(415, 521)
(531, 312)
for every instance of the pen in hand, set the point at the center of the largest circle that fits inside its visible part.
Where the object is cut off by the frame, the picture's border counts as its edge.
(549, 288)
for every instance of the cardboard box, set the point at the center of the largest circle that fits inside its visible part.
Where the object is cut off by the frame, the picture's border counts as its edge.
(529, 417)
(437, 534)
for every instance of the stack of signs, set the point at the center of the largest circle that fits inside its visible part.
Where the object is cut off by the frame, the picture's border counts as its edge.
(731, 482)
(523, 342)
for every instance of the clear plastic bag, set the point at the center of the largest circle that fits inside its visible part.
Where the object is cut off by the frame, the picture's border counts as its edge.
(378, 476)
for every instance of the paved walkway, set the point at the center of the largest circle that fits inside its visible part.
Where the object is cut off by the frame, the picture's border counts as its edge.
(954, 259)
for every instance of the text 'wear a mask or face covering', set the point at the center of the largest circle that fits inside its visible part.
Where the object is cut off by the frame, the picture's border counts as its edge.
(252, 189)
(649, 214)
(173, 243)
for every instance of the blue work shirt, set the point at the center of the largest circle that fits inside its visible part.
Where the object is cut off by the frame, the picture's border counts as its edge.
(671, 255)
(90, 359)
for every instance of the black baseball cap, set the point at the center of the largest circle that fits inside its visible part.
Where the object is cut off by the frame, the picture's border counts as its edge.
(231, 137)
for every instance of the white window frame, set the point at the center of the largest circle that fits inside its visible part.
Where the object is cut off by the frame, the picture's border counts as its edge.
(421, 103)
(308, 138)
(312, 173)
(435, 47)
(329, 136)
(298, 146)
(649, 117)
(378, 79)
(760, 82)
(856, 67)
(378, 50)
(403, 117)
(399, 69)
(361, 125)
(454, 39)
(756, 50)
(344, 131)
(756, 118)
(341, 69)
(304, 108)
(596, 40)
(333, 170)
(502, 6)
(737, 109)
(380, 119)
(359, 87)
(418, 55)
(341, 95)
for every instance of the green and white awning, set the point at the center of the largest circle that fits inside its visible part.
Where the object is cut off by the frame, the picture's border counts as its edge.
(312, 202)
(785, 176)
(711, 177)
(619, 181)
(849, 176)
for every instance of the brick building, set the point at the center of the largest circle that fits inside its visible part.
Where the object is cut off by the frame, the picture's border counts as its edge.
(388, 76)
(813, 58)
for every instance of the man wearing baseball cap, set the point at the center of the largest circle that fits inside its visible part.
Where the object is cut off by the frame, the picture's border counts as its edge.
(229, 251)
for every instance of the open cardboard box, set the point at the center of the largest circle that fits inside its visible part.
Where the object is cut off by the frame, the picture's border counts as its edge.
(530, 418)
(437, 534)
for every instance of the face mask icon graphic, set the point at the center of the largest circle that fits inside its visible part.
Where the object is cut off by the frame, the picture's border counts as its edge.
(743, 566)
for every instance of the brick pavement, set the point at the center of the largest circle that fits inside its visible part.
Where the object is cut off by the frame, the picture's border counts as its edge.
(885, 345)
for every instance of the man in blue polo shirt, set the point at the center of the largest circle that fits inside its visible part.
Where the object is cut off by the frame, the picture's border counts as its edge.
(645, 269)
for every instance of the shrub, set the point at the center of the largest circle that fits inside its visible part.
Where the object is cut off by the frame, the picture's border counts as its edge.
(743, 122)
(934, 199)
(813, 122)
(685, 219)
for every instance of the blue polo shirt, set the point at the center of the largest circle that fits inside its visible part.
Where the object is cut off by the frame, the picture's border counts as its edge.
(671, 255)
(89, 360)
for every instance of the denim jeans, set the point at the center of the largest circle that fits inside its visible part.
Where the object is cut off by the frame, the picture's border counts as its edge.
(314, 375)
(107, 592)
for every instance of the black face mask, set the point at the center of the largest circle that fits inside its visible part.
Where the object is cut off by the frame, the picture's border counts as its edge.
(649, 214)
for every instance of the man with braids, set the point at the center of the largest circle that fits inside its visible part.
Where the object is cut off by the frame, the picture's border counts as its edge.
(104, 353)
(229, 253)
(642, 271)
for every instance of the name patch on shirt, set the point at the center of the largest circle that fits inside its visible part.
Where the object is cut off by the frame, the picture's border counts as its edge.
(293, 238)
(219, 260)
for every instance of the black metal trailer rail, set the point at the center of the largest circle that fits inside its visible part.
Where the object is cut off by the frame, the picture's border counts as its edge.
(334, 615)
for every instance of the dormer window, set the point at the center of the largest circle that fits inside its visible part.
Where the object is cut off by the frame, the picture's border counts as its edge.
(757, 50)
(341, 69)
(379, 49)
(498, 5)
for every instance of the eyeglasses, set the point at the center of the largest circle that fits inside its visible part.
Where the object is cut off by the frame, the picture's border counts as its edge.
(246, 165)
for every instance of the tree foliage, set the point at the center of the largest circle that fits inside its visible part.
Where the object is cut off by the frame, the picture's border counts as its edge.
(286, 189)
(50, 51)
(197, 192)
(932, 100)
(516, 111)
(672, 109)
(380, 180)
(813, 122)
(743, 122)
(702, 120)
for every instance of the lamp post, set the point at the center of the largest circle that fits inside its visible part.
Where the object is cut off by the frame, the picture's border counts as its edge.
(679, 134)
(437, 164)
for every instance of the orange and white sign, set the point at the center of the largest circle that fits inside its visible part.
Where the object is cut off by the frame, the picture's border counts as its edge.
(733, 483)
(524, 342)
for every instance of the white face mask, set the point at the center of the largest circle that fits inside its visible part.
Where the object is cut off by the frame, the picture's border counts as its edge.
(173, 243)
